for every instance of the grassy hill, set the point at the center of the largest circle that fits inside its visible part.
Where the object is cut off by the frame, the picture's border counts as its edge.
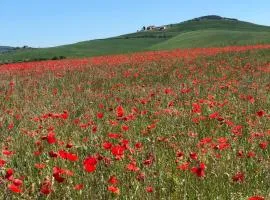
(199, 32)
(213, 38)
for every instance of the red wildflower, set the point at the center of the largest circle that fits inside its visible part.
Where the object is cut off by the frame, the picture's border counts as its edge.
(17, 182)
(140, 176)
(107, 145)
(113, 180)
(14, 188)
(64, 115)
(46, 187)
(251, 154)
(40, 165)
(149, 189)
(168, 91)
(114, 135)
(9, 174)
(240, 154)
(237, 130)
(10, 126)
(120, 111)
(53, 154)
(101, 106)
(250, 99)
(184, 166)
(57, 172)
(180, 154)
(256, 198)
(199, 171)
(149, 160)
(68, 156)
(263, 145)
(238, 177)
(214, 115)
(90, 163)
(118, 151)
(51, 137)
(69, 145)
(132, 167)
(78, 187)
(260, 113)
(193, 156)
(2, 162)
(196, 108)
(114, 189)
(138, 145)
(100, 115)
(125, 128)
(7, 152)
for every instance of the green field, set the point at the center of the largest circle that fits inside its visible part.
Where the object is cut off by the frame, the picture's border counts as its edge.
(203, 33)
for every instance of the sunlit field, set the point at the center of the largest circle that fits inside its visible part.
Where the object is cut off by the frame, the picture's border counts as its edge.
(180, 124)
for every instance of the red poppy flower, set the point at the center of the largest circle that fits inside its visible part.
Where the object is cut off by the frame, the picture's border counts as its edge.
(138, 145)
(64, 115)
(114, 189)
(214, 115)
(256, 198)
(125, 128)
(196, 108)
(260, 113)
(46, 187)
(199, 171)
(2, 162)
(78, 187)
(100, 115)
(132, 167)
(89, 164)
(238, 177)
(263, 145)
(120, 111)
(113, 180)
(193, 156)
(14, 188)
(53, 154)
(17, 182)
(51, 137)
(184, 166)
(9, 174)
(107, 145)
(149, 189)
(68, 156)
(118, 151)
(40, 165)
(57, 172)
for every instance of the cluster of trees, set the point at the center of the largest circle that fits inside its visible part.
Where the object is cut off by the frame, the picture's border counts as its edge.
(147, 36)
(213, 17)
(4, 49)
(32, 60)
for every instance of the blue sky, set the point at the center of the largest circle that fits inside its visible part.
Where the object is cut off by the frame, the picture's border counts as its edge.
(43, 23)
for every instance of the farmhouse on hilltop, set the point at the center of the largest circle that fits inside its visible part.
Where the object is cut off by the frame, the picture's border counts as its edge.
(152, 27)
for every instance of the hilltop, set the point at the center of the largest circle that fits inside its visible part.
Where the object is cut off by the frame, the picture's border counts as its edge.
(206, 31)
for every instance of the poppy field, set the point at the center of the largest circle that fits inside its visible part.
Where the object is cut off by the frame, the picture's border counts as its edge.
(179, 124)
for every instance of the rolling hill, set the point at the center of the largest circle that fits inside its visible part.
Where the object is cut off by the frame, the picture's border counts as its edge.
(204, 31)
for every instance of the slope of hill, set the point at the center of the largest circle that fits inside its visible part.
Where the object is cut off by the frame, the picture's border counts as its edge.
(83, 49)
(213, 38)
(199, 32)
